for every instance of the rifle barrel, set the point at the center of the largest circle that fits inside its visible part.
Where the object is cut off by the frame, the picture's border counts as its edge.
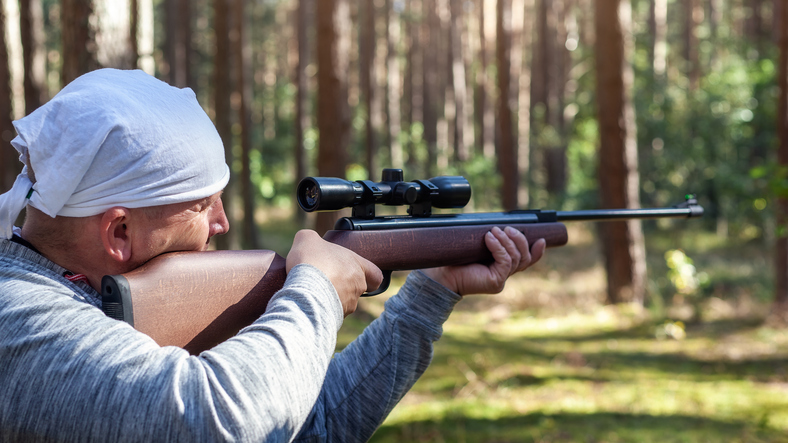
(624, 214)
(683, 210)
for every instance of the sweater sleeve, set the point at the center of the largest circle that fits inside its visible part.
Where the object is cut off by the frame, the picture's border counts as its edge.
(369, 377)
(69, 373)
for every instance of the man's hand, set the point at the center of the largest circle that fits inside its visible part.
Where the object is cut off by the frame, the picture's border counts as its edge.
(510, 250)
(350, 273)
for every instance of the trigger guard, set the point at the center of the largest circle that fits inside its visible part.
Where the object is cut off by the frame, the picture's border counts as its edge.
(384, 285)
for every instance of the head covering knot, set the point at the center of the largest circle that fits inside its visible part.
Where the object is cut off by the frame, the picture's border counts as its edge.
(114, 138)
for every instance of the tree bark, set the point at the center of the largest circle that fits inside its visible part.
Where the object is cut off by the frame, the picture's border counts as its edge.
(394, 86)
(222, 88)
(781, 259)
(178, 42)
(333, 119)
(524, 103)
(78, 39)
(484, 120)
(10, 166)
(507, 154)
(302, 96)
(623, 243)
(429, 83)
(367, 82)
(242, 54)
(34, 58)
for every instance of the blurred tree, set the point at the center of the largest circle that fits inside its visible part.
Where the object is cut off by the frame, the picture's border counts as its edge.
(222, 88)
(393, 85)
(781, 262)
(430, 34)
(506, 152)
(242, 54)
(622, 242)
(301, 122)
(78, 39)
(548, 87)
(458, 50)
(367, 43)
(177, 43)
(693, 17)
(483, 111)
(333, 114)
(8, 157)
(521, 74)
(32, 33)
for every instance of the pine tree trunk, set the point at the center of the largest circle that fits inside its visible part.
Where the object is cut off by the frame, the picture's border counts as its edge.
(623, 243)
(242, 53)
(367, 81)
(34, 58)
(507, 154)
(78, 39)
(222, 88)
(178, 42)
(9, 165)
(302, 97)
(781, 259)
(333, 119)
(394, 86)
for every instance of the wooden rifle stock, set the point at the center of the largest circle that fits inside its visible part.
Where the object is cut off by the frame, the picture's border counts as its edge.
(196, 300)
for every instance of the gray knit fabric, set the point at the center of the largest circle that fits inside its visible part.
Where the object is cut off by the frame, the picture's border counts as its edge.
(69, 373)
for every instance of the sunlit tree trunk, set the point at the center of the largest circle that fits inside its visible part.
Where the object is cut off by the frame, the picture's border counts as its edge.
(693, 18)
(9, 166)
(623, 243)
(659, 42)
(302, 95)
(414, 101)
(393, 85)
(463, 133)
(34, 59)
(524, 102)
(484, 117)
(333, 119)
(507, 154)
(429, 73)
(781, 259)
(115, 41)
(367, 81)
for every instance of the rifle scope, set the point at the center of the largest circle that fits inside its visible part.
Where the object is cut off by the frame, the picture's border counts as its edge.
(331, 194)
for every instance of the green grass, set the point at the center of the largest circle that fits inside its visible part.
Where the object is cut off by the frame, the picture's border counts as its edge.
(547, 361)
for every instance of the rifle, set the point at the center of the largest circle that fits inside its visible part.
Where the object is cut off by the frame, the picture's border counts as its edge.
(196, 300)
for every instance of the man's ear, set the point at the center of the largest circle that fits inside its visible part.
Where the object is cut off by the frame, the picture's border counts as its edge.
(115, 236)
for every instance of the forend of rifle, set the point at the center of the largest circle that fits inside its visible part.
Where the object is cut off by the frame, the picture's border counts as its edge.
(331, 194)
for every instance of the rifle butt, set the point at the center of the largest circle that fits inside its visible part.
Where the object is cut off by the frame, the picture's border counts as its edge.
(177, 312)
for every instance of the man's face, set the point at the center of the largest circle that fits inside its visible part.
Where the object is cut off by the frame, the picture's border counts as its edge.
(180, 227)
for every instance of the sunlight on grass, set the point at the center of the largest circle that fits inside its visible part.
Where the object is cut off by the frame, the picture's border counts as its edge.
(597, 376)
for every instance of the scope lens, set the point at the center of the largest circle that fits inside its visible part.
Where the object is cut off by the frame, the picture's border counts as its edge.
(310, 195)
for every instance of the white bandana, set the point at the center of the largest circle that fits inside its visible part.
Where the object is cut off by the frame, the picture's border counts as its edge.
(114, 138)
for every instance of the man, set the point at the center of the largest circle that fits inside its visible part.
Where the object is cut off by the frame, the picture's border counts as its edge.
(119, 168)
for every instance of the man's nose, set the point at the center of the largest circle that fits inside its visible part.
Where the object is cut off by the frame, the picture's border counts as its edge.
(219, 223)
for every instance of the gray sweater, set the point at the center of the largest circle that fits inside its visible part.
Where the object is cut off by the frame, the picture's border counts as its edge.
(69, 373)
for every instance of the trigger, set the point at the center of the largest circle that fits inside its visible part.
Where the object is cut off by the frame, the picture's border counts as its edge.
(383, 285)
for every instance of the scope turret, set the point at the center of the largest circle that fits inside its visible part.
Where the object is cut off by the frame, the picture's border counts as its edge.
(332, 194)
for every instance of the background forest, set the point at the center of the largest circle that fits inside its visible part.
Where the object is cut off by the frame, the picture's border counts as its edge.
(637, 332)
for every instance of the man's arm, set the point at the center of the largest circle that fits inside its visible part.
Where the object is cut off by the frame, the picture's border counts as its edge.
(369, 377)
(69, 373)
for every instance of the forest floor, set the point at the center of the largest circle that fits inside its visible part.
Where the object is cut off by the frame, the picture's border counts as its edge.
(547, 360)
